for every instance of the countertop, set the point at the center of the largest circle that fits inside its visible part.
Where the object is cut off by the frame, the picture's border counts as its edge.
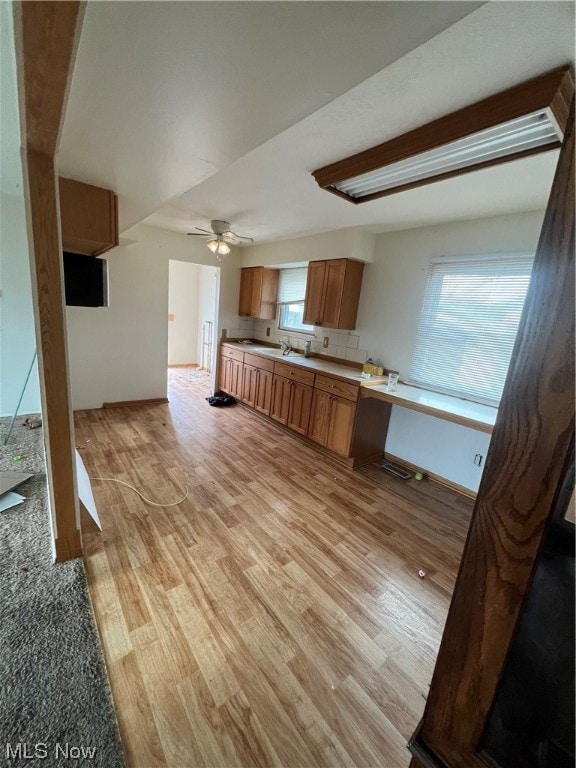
(316, 364)
(447, 407)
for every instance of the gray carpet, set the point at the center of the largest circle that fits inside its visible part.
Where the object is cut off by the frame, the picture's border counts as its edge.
(54, 691)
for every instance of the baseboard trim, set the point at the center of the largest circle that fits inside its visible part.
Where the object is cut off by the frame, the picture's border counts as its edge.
(131, 403)
(430, 475)
(184, 365)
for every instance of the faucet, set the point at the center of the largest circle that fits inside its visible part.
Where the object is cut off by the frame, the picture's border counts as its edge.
(286, 347)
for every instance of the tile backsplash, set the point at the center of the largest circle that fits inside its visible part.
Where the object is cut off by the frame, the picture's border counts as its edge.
(343, 344)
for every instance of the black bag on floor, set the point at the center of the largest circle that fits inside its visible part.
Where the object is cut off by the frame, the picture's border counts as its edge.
(219, 400)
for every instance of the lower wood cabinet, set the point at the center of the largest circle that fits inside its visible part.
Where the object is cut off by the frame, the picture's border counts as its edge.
(263, 401)
(300, 406)
(324, 408)
(231, 376)
(332, 422)
(291, 404)
(249, 385)
(280, 406)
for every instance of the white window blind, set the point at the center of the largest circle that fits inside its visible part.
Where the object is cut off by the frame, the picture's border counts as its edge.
(468, 324)
(291, 295)
(292, 285)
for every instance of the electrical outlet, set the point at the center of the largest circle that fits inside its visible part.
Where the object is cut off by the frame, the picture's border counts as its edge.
(478, 459)
(325, 342)
(267, 331)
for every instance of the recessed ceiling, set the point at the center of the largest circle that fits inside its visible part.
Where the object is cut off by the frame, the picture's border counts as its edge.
(221, 110)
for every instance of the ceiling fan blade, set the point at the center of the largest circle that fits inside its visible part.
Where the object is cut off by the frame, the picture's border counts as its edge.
(234, 239)
(199, 234)
(208, 231)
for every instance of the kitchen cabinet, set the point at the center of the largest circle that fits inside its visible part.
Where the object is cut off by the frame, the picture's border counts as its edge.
(231, 369)
(257, 383)
(333, 293)
(332, 422)
(88, 218)
(333, 416)
(249, 384)
(292, 397)
(321, 407)
(258, 293)
(280, 406)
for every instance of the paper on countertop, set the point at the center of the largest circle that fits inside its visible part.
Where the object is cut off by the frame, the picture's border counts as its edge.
(9, 500)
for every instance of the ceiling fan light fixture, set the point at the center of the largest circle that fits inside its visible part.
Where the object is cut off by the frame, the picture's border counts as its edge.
(218, 246)
(521, 121)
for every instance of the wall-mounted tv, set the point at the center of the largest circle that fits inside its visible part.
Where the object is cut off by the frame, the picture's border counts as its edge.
(85, 280)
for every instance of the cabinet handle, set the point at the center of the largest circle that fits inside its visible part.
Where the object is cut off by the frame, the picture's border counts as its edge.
(333, 386)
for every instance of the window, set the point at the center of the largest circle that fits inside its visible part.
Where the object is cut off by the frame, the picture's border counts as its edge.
(291, 294)
(468, 324)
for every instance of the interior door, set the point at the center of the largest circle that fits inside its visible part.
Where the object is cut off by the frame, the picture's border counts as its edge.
(526, 466)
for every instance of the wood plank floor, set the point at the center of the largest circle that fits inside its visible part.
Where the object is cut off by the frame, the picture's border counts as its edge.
(276, 616)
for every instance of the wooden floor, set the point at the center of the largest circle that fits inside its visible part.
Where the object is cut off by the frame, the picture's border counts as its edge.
(275, 617)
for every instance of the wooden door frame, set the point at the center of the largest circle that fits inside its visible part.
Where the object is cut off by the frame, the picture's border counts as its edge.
(530, 452)
(46, 39)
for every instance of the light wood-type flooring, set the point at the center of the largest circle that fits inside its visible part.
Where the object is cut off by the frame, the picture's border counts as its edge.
(276, 616)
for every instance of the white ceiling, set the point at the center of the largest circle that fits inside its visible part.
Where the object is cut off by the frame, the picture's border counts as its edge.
(197, 111)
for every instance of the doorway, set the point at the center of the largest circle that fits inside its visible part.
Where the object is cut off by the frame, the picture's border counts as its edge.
(192, 321)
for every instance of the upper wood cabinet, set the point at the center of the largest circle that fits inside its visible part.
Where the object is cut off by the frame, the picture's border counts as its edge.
(333, 293)
(258, 293)
(88, 217)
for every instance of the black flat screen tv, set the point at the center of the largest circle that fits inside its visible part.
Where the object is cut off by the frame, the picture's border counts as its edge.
(85, 280)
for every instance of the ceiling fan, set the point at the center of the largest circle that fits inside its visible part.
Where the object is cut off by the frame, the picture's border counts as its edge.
(221, 237)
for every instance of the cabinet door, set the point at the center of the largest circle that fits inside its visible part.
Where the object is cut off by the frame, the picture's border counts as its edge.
(320, 417)
(236, 370)
(314, 293)
(224, 374)
(341, 426)
(88, 218)
(300, 407)
(280, 406)
(246, 291)
(333, 291)
(263, 400)
(249, 383)
(256, 292)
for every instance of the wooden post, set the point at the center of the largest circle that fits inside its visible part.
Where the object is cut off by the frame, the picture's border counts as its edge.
(46, 39)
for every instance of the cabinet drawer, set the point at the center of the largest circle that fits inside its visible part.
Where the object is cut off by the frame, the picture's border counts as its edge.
(259, 362)
(235, 354)
(294, 373)
(337, 387)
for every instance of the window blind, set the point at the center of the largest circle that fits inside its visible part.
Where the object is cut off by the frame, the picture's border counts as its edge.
(468, 324)
(292, 285)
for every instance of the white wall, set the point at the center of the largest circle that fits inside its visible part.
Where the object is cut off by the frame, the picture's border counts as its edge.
(120, 352)
(17, 329)
(392, 292)
(183, 308)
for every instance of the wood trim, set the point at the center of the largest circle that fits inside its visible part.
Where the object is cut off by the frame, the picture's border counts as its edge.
(47, 35)
(368, 391)
(53, 355)
(547, 91)
(461, 489)
(132, 403)
(529, 455)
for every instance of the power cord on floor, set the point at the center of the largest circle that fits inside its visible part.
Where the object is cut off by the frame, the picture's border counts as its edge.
(147, 501)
